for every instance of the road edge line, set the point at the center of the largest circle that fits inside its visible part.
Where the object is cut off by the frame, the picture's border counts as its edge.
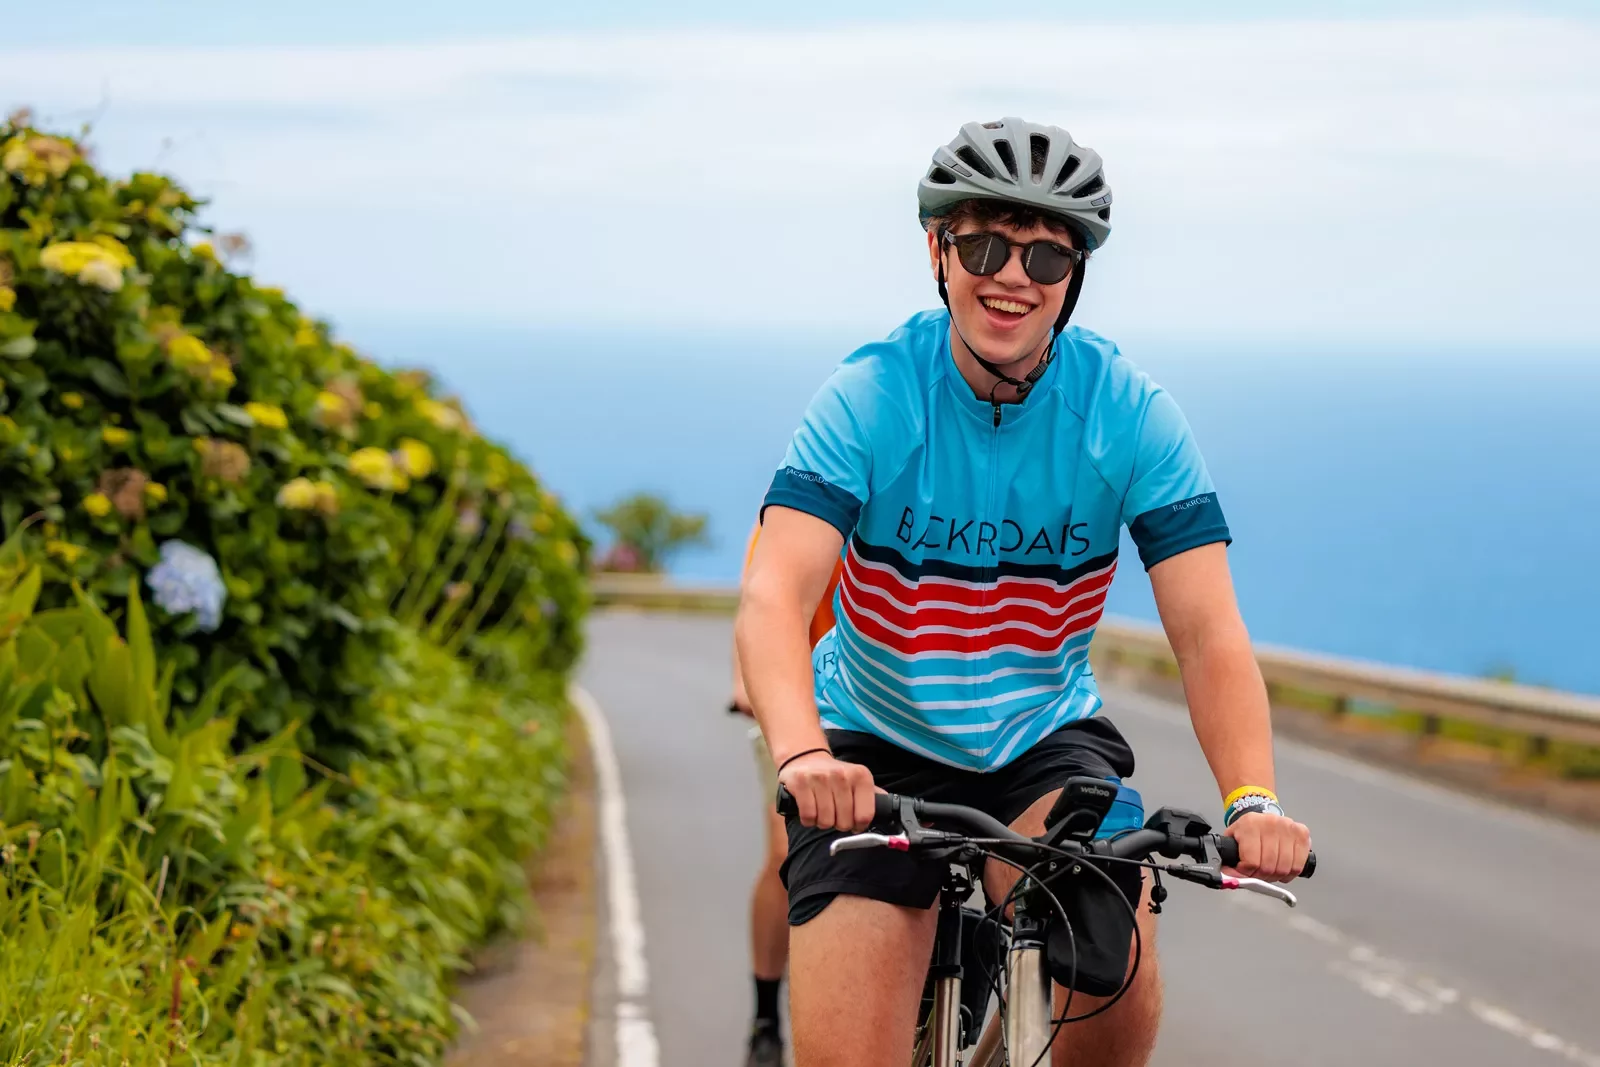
(636, 1035)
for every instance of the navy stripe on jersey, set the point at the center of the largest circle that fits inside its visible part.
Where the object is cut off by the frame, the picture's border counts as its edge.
(1163, 532)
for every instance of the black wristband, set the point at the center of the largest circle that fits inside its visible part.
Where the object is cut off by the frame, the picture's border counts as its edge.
(807, 752)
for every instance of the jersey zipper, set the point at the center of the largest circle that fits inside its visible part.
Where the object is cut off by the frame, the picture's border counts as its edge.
(987, 597)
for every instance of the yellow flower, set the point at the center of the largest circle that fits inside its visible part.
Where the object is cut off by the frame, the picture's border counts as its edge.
(99, 262)
(37, 159)
(72, 400)
(222, 375)
(155, 492)
(97, 504)
(298, 494)
(375, 467)
(101, 274)
(542, 523)
(8, 298)
(115, 436)
(332, 411)
(270, 416)
(327, 498)
(65, 551)
(305, 335)
(567, 552)
(114, 248)
(188, 352)
(414, 457)
(441, 415)
(372, 409)
(204, 250)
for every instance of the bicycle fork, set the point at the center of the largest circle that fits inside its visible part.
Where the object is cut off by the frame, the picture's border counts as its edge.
(1027, 1019)
(1028, 1007)
(945, 1023)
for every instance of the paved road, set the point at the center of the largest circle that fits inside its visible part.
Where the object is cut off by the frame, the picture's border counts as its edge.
(1442, 930)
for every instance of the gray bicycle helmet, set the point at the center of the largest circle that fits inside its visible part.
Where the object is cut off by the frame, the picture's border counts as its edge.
(1023, 163)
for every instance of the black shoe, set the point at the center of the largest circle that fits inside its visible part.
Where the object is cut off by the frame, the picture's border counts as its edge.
(766, 1046)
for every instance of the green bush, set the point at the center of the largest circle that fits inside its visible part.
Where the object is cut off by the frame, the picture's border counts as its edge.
(264, 818)
(162, 894)
(148, 394)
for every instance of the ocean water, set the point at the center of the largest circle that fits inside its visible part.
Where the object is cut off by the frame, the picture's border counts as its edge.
(1430, 507)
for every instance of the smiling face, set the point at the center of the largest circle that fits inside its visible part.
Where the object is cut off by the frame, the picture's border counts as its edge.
(1006, 316)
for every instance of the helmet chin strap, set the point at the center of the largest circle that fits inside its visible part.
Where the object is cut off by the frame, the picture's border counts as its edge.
(1025, 385)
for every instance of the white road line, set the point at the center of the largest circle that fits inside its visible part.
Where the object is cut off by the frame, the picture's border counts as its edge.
(1409, 989)
(636, 1035)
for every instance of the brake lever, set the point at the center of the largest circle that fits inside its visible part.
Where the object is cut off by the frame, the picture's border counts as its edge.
(898, 842)
(1266, 889)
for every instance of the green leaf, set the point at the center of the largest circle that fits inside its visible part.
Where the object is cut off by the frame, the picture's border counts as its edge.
(19, 348)
(26, 595)
(140, 646)
(235, 414)
(286, 777)
(111, 684)
(107, 376)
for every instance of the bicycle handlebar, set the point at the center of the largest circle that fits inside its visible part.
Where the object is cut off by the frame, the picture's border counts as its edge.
(1135, 845)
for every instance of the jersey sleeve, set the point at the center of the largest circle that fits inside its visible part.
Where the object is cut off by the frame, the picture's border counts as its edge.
(1171, 505)
(827, 468)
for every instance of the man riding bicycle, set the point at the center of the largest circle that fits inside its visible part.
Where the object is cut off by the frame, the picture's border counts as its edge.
(974, 471)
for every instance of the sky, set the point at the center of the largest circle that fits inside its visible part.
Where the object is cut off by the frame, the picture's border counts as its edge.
(1398, 170)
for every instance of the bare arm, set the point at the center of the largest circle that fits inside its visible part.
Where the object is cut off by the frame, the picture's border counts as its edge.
(793, 562)
(1227, 700)
(1221, 682)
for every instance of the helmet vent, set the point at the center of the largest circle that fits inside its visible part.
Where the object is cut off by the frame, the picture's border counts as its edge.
(1068, 169)
(940, 176)
(1003, 150)
(1105, 214)
(1089, 188)
(970, 157)
(1039, 149)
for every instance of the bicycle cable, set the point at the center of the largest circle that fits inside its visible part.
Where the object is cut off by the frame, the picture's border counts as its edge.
(1010, 897)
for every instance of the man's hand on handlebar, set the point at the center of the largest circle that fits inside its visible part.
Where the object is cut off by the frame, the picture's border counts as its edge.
(830, 794)
(1271, 847)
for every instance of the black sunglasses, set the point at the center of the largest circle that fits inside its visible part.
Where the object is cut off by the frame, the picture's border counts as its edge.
(984, 253)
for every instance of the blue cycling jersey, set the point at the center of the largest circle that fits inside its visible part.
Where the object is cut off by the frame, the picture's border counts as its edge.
(980, 542)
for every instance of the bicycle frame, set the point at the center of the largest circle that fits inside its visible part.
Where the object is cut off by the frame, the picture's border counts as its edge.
(1029, 1016)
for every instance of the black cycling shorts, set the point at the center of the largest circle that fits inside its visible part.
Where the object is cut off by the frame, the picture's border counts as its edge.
(1090, 746)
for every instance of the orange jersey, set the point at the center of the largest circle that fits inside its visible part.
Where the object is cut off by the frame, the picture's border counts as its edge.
(822, 621)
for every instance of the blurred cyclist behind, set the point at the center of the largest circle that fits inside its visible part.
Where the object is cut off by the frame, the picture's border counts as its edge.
(769, 901)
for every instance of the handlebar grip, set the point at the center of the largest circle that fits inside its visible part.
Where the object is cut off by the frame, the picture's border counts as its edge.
(1228, 852)
(886, 806)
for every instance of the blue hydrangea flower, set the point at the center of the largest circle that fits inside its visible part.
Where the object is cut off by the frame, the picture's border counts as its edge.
(187, 581)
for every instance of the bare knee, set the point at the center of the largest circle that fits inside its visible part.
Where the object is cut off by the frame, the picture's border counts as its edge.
(855, 980)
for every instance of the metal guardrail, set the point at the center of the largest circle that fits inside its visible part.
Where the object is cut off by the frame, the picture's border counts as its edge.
(1540, 714)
